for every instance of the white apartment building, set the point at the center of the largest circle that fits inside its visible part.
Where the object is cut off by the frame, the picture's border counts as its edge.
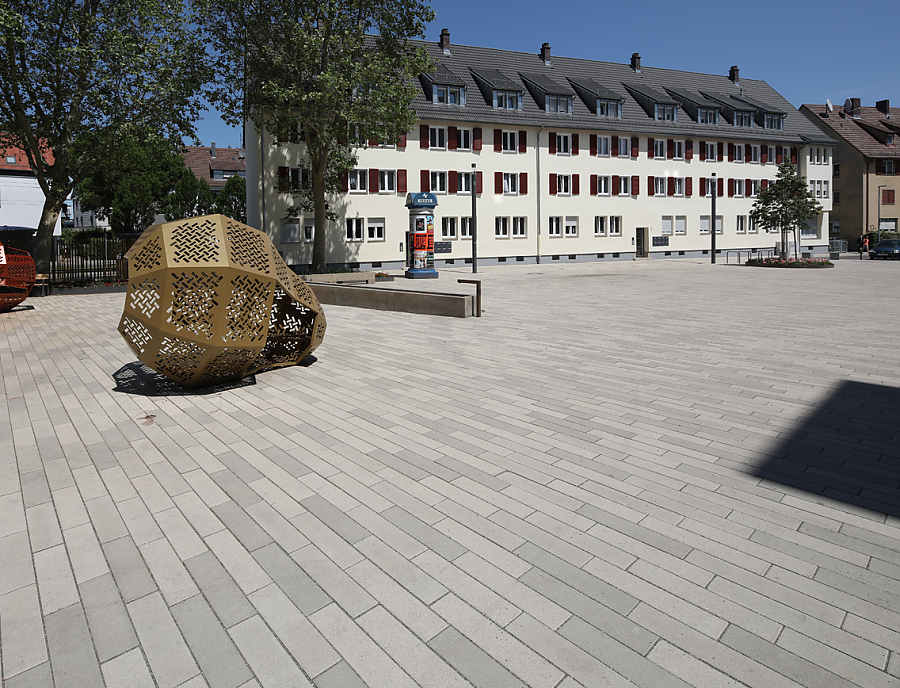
(574, 160)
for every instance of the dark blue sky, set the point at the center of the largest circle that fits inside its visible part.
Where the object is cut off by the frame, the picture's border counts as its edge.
(808, 51)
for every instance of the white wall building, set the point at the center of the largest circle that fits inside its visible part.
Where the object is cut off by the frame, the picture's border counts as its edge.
(575, 159)
(21, 198)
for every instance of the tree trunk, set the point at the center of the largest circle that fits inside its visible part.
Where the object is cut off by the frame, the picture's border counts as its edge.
(43, 243)
(318, 257)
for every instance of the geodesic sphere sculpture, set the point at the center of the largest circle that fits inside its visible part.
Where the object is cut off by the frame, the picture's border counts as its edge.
(17, 277)
(211, 300)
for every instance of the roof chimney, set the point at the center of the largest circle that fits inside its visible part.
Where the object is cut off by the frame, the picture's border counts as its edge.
(734, 74)
(212, 150)
(445, 41)
(545, 54)
(636, 62)
(855, 109)
(884, 106)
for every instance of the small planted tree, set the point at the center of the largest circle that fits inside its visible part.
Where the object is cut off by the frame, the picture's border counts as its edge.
(785, 205)
(312, 73)
(231, 201)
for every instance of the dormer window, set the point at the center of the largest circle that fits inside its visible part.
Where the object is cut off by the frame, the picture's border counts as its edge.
(774, 121)
(666, 113)
(609, 108)
(743, 119)
(559, 104)
(707, 116)
(449, 95)
(507, 100)
(889, 140)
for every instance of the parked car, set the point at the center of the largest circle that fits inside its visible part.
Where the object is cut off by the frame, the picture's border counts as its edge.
(886, 248)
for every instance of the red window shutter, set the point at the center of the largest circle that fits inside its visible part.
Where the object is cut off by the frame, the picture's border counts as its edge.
(730, 188)
(635, 146)
(748, 152)
(887, 197)
(689, 150)
(748, 187)
(476, 138)
(593, 142)
(793, 155)
(372, 143)
(730, 152)
(879, 167)
(498, 140)
(498, 182)
(576, 185)
(616, 187)
(401, 181)
(552, 143)
(614, 149)
(764, 184)
(373, 180)
(721, 151)
(423, 136)
(453, 182)
(523, 183)
(593, 185)
(523, 141)
(670, 149)
(779, 155)
(401, 141)
(689, 187)
(635, 185)
(702, 186)
(425, 181)
(670, 186)
(284, 174)
(552, 184)
(721, 185)
(651, 186)
(479, 182)
(574, 144)
(702, 150)
(452, 138)
(650, 147)
(764, 153)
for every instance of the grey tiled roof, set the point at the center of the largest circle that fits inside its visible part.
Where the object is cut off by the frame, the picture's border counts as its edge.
(651, 93)
(445, 77)
(501, 69)
(548, 85)
(697, 99)
(596, 89)
(758, 105)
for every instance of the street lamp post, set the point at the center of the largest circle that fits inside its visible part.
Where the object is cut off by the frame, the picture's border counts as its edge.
(473, 227)
(712, 221)
(883, 186)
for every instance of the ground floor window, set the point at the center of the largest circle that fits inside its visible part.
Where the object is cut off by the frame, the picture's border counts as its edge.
(501, 227)
(666, 225)
(375, 229)
(704, 224)
(740, 224)
(354, 229)
(681, 224)
(519, 227)
(615, 225)
(448, 228)
(555, 228)
(599, 226)
(571, 226)
(465, 228)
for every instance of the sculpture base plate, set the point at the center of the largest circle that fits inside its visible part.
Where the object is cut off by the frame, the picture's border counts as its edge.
(421, 273)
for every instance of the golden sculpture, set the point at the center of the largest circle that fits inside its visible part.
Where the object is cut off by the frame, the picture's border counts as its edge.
(210, 300)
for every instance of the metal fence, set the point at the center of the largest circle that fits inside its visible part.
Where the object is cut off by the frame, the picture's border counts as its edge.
(89, 258)
(837, 245)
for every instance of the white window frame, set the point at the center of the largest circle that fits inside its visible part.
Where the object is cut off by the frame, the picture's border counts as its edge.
(375, 229)
(501, 227)
(665, 113)
(752, 226)
(437, 138)
(563, 144)
(503, 99)
(625, 185)
(438, 176)
(739, 188)
(519, 227)
(659, 149)
(711, 186)
(387, 181)
(602, 146)
(465, 227)
(770, 156)
(509, 142)
(354, 230)
(448, 92)
(825, 189)
(705, 218)
(554, 227)
(570, 228)
(660, 186)
(680, 225)
(679, 150)
(667, 225)
(888, 167)
(707, 116)
(615, 225)
(609, 108)
(600, 225)
(510, 183)
(563, 184)
(754, 154)
(740, 224)
(756, 185)
(739, 152)
(743, 118)
(309, 230)
(448, 228)
(463, 139)
(604, 185)
(624, 147)
(358, 181)
(774, 122)
(679, 186)
(558, 104)
(714, 149)
(464, 183)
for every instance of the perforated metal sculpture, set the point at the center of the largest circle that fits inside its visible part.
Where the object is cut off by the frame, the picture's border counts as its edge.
(17, 277)
(210, 300)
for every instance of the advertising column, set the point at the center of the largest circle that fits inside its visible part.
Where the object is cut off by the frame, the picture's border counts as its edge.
(421, 235)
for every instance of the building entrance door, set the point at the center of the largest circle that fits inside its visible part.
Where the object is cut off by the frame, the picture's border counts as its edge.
(640, 242)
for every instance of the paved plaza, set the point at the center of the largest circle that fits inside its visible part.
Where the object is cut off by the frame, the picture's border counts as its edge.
(656, 473)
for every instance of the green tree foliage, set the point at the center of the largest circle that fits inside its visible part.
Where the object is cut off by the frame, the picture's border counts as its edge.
(132, 186)
(785, 205)
(231, 201)
(325, 65)
(74, 72)
(189, 196)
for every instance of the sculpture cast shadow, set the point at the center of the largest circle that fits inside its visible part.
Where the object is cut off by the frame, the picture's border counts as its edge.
(136, 378)
(848, 449)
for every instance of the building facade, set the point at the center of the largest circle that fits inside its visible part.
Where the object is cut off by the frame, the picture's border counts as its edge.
(215, 164)
(572, 159)
(866, 170)
(21, 197)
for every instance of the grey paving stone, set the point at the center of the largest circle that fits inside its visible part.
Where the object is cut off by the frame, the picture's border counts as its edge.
(339, 676)
(244, 528)
(16, 567)
(239, 466)
(334, 518)
(219, 659)
(35, 489)
(40, 676)
(72, 656)
(107, 618)
(475, 664)
(292, 579)
(128, 568)
(170, 659)
(106, 519)
(219, 588)
(424, 533)
(235, 488)
(638, 532)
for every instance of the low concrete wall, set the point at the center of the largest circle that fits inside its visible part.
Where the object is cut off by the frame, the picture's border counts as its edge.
(401, 300)
(342, 278)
